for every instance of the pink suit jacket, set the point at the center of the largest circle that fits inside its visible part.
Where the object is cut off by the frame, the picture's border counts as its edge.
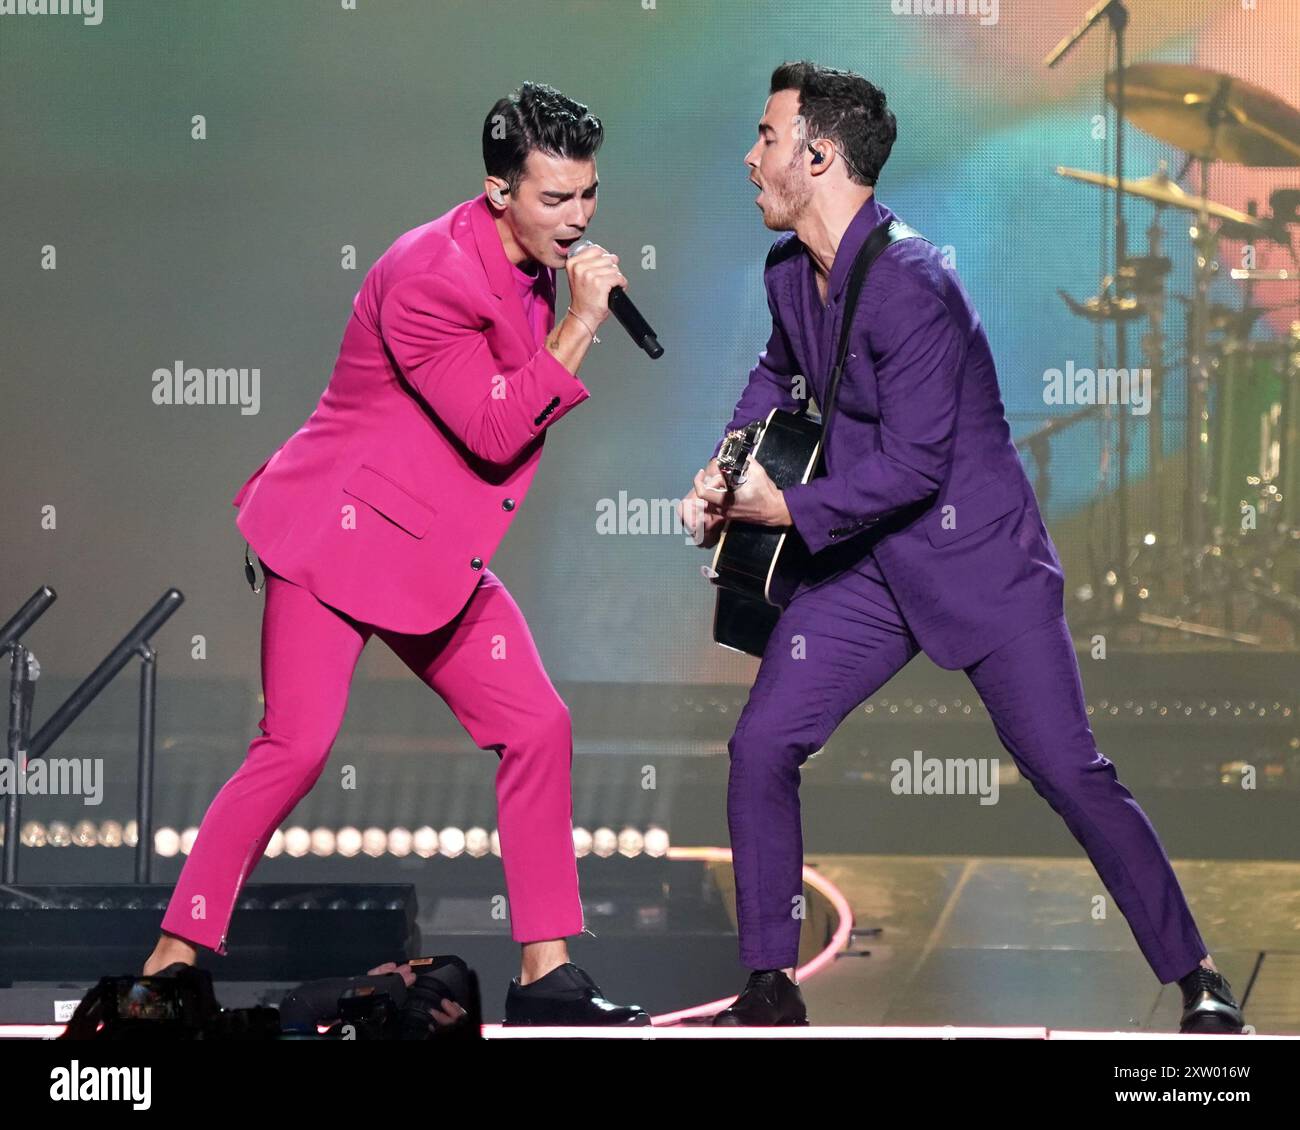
(389, 502)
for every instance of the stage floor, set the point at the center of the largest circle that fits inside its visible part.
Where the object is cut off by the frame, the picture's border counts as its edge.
(1003, 942)
(956, 946)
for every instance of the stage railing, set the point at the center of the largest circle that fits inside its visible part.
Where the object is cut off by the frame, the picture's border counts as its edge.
(23, 673)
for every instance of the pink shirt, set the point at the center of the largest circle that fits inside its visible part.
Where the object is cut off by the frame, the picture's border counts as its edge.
(537, 291)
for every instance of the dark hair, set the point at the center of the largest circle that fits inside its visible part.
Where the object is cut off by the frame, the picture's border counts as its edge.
(536, 116)
(845, 108)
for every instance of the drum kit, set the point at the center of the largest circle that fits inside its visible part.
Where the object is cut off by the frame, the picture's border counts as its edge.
(1239, 534)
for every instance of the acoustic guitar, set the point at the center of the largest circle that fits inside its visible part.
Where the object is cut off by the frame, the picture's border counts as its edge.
(757, 568)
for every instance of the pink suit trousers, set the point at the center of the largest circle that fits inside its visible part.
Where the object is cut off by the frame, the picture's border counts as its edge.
(485, 666)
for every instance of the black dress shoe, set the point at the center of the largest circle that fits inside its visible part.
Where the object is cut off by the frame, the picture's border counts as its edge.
(566, 995)
(1208, 1003)
(770, 999)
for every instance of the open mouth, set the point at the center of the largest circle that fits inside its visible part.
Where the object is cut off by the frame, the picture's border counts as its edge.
(563, 245)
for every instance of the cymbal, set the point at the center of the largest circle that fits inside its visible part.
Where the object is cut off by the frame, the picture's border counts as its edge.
(1105, 308)
(1160, 189)
(1177, 103)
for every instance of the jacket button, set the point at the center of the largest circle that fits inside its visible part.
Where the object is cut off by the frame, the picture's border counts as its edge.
(507, 504)
(477, 563)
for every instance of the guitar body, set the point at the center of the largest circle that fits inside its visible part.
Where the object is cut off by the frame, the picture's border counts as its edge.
(757, 568)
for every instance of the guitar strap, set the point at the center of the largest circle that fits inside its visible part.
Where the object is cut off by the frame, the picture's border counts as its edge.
(876, 242)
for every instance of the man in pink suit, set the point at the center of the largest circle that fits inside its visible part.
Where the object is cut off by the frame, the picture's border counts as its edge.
(379, 516)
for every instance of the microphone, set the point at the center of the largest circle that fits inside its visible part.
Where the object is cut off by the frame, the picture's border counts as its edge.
(622, 307)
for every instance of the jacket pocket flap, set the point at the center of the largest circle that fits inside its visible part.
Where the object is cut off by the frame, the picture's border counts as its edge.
(972, 511)
(394, 502)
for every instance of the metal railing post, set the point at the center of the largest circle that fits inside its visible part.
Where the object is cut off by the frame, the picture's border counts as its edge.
(144, 773)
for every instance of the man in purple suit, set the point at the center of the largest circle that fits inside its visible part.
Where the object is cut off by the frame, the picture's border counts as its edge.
(925, 536)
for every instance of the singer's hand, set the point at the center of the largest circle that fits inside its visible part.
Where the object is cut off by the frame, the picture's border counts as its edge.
(593, 272)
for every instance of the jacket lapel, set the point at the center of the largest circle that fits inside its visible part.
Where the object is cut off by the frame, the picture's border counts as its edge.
(497, 268)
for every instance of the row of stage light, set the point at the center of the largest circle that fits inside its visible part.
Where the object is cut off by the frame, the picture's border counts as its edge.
(297, 842)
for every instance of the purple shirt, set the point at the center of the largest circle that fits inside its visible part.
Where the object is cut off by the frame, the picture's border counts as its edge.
(825, 318)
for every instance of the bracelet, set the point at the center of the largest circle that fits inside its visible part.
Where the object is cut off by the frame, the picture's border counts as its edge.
(584, 322)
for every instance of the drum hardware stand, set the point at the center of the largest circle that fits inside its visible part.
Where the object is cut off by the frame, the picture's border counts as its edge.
(1146, 278)
(1117, 15)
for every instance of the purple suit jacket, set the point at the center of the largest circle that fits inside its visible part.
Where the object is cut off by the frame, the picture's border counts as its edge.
(920, 467)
